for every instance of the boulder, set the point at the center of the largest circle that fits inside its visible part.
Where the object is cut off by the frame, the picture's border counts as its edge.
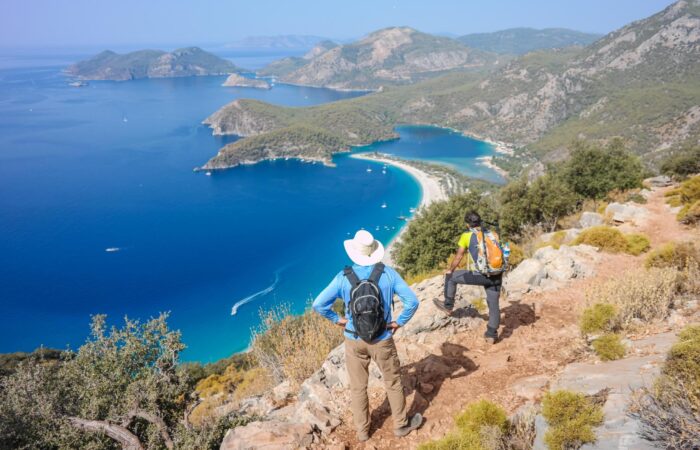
(549, 268)
(590, 219)
(569, 235)
(660, 181)
(270, 435)
(527, 275)
(627, 212)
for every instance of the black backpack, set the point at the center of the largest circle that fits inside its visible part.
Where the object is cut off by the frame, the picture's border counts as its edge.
(366, 304)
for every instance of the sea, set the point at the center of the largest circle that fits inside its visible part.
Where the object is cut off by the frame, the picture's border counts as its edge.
(102, 213)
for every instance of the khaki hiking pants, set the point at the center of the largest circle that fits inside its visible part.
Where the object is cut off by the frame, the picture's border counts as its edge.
(358, 354)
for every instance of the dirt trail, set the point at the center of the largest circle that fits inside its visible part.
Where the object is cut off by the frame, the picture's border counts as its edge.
(539, 337)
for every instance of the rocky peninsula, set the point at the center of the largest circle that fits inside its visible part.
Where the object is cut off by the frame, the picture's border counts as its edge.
(237, 80)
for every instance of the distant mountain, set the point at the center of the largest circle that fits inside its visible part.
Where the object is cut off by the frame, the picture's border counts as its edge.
(182, 62)
(640, 83)
(518, 41)
(286, 42)
(398, 55)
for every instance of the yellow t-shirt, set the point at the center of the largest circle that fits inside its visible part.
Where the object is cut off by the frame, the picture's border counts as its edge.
(464, 239)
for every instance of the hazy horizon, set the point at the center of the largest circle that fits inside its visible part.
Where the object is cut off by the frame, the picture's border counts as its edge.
(81, 24)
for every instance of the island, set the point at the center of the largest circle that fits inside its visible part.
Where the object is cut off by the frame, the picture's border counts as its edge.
(183, 62)
(237, 80)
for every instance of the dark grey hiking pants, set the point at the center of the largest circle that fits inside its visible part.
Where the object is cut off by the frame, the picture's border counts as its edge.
(492, 285)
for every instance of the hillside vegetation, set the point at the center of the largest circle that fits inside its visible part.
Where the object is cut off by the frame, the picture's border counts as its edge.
(640, 83)
(518, 41)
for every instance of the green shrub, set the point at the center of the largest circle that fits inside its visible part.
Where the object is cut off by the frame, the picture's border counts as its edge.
(609, 347)
(606, 238)
(481, 426)
(517, 255)
(683, 163)
(612, 240)
(637, 243)
(479, 304)
(669, 410)
(482, 413)
(674, 254)
(683, 361)
(593, 171)
(597, 318)
(687, 196)
(571, 417)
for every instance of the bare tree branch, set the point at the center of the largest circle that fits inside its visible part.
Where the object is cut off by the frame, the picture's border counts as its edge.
(119, 433)
(188, 412)
(155, 420)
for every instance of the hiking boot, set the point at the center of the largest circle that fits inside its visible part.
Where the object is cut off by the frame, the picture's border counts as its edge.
(490, 339)
(362, 436)
(442, 307)
(413, 424)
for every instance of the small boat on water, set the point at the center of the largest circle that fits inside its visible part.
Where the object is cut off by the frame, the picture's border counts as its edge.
(369, 170)
(112, 249)
(208, 174)
(384, 205)
(402, 217)
(412, 210)
(78, 84)
(124, 119)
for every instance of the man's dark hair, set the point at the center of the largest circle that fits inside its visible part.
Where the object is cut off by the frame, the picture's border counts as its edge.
(473, 219)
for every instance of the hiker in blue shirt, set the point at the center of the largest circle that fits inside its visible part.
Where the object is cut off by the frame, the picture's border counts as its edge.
(367, 253)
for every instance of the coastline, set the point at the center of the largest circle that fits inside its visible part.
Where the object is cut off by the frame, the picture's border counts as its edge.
(431, 192)
(487, 161)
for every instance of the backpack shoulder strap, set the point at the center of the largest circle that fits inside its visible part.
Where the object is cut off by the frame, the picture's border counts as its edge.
(351, 276)
(376, 273)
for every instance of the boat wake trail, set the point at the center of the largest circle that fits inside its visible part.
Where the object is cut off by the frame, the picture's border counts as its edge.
(265, 291)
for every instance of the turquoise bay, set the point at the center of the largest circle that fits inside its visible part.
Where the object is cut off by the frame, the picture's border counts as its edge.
(110, 167)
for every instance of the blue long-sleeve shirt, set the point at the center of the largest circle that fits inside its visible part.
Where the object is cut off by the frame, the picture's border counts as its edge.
(390, 283)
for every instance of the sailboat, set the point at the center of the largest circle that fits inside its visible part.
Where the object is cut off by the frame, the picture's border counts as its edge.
(369, 169)
(384, 205)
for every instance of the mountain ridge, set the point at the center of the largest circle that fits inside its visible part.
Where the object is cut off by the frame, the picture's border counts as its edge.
(640, 83)
(390, 56)
(521, 40)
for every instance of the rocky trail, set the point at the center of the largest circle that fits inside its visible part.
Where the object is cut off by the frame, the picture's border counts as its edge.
(447, 364)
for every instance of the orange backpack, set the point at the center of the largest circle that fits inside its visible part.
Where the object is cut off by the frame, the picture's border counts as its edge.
(491, 260)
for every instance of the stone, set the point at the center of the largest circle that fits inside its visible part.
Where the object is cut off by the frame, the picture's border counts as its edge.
(550, 267)
(590, 219)
(527, 275)
(269, 435)
(530, 388)
(627, 212)
(660, 181)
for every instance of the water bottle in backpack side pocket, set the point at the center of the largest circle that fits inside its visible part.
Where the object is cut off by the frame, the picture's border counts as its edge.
(506, 251)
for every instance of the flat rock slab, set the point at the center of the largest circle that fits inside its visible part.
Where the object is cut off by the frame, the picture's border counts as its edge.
(619, 431)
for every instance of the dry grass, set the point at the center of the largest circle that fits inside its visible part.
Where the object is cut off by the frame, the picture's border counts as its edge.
(292, 347)
(646, 295)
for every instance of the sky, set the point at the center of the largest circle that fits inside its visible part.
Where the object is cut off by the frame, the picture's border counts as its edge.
(101, 23)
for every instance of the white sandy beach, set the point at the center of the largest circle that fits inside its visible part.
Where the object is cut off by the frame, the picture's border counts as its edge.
(430, 185)
(487, 161)
(431, 188)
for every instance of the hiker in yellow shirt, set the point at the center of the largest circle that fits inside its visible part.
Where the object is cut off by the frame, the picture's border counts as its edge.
(478, 272)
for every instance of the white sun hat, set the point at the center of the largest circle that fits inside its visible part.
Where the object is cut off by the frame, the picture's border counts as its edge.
(363, 249)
